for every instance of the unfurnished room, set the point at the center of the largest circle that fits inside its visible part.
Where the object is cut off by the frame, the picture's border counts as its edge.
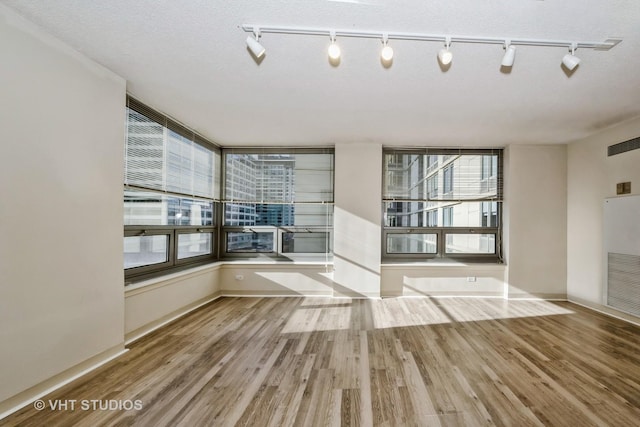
(322, 212)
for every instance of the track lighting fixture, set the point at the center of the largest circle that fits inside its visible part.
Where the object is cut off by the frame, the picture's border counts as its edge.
(254, 45)
(570, 60)
(445, 56)
(334, 49)
(509, 54)
(387, 51)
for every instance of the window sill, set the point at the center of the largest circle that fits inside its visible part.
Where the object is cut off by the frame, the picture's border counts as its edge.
(445, 263)
(294, 260)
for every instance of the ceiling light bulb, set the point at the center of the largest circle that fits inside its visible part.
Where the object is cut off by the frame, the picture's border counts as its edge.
(387, 53)
(256, 48)
(445, 56)
(570, 60)
(334, 50)
(509, 56)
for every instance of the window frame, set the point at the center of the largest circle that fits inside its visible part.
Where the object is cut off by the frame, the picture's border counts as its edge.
(173, 263)
(133, 274)
(450, 155)
(277, 231)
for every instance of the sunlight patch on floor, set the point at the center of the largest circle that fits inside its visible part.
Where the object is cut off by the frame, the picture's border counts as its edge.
(332, 314)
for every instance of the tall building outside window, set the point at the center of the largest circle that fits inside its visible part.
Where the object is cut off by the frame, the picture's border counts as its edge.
(463, 220)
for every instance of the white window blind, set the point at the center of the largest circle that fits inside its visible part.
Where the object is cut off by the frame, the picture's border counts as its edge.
(463, 175)
(284, 177)
(163, 155)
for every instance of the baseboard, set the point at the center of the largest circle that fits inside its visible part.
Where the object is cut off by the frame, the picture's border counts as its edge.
(280, 294)
(356, 295)
(445, 294)
(609, 311)
(157, 324)
(31, 394)
(273, 294)
(537, 296)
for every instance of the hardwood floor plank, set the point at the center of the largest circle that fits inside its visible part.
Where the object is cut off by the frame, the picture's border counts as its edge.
(411, 362)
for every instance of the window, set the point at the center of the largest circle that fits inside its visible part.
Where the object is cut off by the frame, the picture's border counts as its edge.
(489, 173)
(489, 214)
(432, 218)
(278, 202)
(447, 216)
(171, 192)
(448, 180)
(461, 221)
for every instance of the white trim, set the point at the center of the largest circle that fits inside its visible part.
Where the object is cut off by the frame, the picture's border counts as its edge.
(607, 311)
(60, 384)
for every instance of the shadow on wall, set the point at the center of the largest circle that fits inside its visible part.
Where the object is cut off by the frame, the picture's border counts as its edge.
(356, 255)
(465, 283)
(304, 282)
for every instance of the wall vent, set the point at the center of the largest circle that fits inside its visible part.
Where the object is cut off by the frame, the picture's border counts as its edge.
(623, 290)
(623, 147)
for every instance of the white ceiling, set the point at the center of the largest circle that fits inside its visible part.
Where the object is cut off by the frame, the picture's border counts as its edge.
(188, 59)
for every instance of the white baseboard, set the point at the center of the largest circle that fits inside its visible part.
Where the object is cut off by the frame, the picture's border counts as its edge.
(157, 324)
(609, 311)
(34, 393)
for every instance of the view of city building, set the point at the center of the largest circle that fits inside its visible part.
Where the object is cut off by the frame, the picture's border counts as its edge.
(158, 158)
(438, 192)
(267, 193)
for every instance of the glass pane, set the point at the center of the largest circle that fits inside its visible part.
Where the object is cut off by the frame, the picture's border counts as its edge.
(144, 151)
(304, 242)
(159, 158)
(440, 177)
(282, 178)
(145, 250)
(179, 165)
(412, 243)
(405, 174)
(252, 214)
(146, 208)
(194, 244)
(470, 243)
(441, 214)
(238, 242)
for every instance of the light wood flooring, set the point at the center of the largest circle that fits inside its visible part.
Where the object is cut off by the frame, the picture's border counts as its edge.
(391, 362)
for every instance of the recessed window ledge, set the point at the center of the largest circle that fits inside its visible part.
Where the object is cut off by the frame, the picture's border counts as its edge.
(291, 261)
(445, 263)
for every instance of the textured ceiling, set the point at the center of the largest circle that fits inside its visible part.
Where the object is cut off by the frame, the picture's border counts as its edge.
(189, 60)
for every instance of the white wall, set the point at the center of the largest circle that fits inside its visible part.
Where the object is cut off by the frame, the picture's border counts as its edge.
(536, 220)
(152, 303)
(592, 177)
(61, 155)
(357, 223)
(443, 279)
(263, 278)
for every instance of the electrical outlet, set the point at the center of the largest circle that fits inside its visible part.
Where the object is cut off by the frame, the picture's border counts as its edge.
(239, 277)
(471, 279)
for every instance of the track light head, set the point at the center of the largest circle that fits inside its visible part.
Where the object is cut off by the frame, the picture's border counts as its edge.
(570, 60)
(254, 45)
(444, 55)
(334, 49)
(387, 51)
(509, 54)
